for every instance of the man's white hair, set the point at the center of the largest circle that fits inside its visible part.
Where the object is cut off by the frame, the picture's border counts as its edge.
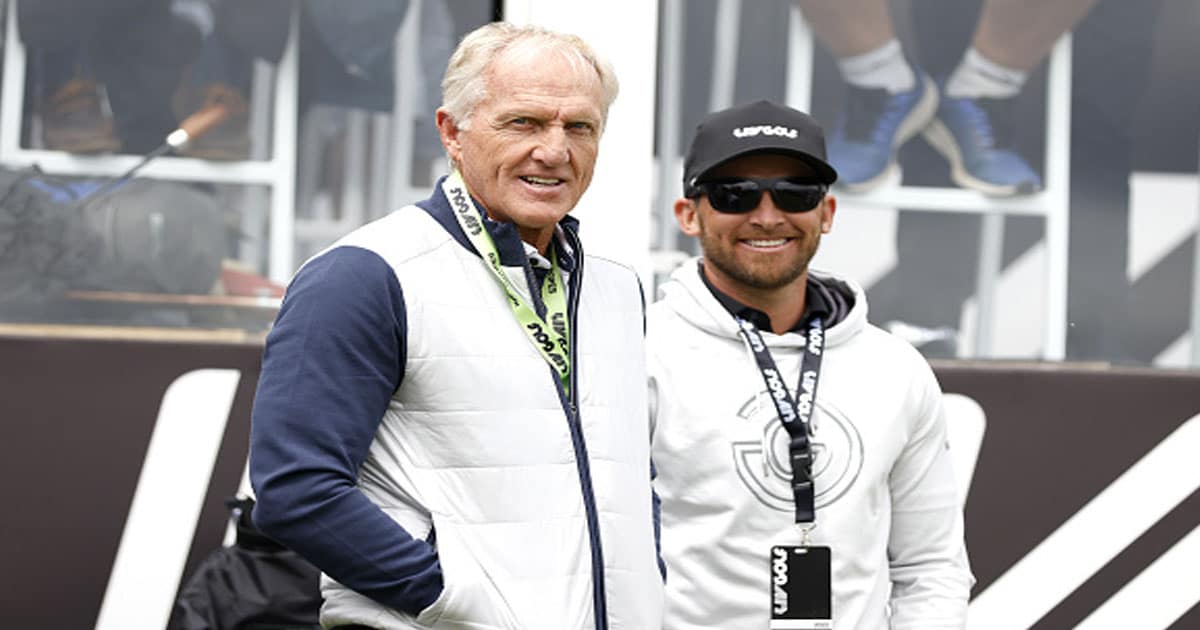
(466, 80)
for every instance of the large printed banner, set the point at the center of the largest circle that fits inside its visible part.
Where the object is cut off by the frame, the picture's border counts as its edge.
(1082, 486)
(115, 459)
(1084, 508)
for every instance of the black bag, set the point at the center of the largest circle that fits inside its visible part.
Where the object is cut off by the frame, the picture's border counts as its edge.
(144, 236)
(256, 584)
(45, 244)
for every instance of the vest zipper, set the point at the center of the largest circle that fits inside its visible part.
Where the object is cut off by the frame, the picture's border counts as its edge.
(571, 406)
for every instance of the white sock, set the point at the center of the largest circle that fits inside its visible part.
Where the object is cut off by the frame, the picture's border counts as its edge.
(884, 67)
(979, 77)
(198, 12)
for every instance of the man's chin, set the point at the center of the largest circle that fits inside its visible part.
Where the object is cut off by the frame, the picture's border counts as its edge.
(773, 275)
(542, 215)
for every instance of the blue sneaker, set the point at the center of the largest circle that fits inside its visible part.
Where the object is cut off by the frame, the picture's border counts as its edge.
(872, 128)
(976, 136)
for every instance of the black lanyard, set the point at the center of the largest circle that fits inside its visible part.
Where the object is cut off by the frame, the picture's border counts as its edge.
(795, 415)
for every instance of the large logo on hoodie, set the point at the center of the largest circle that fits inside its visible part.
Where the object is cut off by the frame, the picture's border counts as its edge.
(764, 465)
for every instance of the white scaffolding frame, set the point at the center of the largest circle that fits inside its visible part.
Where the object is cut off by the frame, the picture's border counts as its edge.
(379, 166)
(278, 172)
(1052, 204)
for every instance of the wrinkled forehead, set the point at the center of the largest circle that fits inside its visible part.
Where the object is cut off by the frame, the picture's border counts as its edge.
(763, 164)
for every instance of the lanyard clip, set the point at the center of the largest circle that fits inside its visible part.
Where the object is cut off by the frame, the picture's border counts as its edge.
(805, 529)
(802, 459)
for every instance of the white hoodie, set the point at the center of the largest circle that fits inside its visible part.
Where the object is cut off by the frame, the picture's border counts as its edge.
(885, 492)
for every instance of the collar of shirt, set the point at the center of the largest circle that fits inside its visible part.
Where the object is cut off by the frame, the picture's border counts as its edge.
(815, 305)
(504, 235)
(566, 255)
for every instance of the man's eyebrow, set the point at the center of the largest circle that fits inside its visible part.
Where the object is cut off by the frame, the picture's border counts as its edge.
(593, 118)
(516, 113)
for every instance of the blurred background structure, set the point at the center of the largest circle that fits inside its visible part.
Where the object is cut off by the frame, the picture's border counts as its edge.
(1097, 266)
(330, 127)
(1067, 307)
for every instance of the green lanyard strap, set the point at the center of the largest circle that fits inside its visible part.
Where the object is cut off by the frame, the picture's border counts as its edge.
(549, 339)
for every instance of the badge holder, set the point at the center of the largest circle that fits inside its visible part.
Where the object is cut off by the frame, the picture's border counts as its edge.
(801, 591)
(801, 575)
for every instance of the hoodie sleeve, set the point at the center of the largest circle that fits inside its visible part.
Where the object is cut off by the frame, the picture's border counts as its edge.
(931, 579)
(652, 405)
(332, 362)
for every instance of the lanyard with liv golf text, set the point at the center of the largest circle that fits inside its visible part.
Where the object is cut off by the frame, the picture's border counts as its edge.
(794, 414)
(549, 339)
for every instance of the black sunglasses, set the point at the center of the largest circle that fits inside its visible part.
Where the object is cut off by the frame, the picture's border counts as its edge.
(739, 195)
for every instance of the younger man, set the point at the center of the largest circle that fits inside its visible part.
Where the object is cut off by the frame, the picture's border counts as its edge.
(801, 452)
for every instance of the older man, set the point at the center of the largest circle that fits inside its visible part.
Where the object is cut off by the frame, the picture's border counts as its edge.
(801, 452)
(450, 421)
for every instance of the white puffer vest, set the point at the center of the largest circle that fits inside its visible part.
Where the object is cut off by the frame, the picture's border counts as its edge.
(477, 453)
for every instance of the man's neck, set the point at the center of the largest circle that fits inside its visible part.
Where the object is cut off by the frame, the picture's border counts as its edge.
(538, 237)
(784, 306)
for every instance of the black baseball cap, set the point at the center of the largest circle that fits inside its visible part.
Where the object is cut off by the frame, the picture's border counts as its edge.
(760, 127)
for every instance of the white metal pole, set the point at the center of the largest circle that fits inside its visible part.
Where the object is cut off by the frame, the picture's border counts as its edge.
(1058, 191)
(1196, 288)
(991, 253)
(11, 97)
(669, 112)
(725, 54)
(282, 263)
(404, 108)
(800, 60)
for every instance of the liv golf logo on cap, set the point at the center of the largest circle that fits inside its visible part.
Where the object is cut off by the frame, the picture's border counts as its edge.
(766, 130)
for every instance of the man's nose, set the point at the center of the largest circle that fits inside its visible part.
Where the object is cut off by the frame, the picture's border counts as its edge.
(766, 212)
(552, 146)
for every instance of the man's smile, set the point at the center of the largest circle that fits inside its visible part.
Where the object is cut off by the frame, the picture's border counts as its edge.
(541, 181)
(764, 243)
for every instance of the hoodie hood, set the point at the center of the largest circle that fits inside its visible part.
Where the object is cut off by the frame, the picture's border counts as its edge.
(686, 295)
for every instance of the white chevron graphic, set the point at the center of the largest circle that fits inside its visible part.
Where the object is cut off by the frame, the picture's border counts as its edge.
(166, 504)
(965, 425)
(1158, 596)
(1116, 517)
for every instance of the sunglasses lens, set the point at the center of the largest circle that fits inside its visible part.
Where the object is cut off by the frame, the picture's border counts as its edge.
(797, 197)
(735, 197)
(739, 196)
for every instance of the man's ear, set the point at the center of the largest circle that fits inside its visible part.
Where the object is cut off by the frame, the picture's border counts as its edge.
(827, 211)
(686, 214)
(449, 131)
